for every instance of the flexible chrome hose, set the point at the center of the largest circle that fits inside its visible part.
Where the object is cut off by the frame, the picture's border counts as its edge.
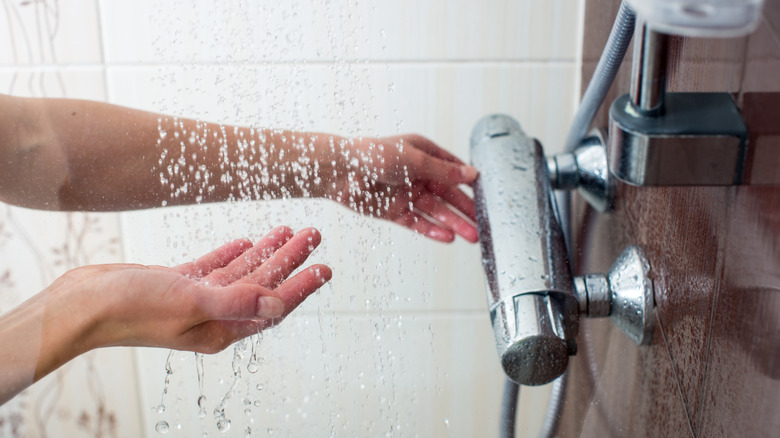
(606, 70)
(553, 415)
(602, 79)
(508, 409)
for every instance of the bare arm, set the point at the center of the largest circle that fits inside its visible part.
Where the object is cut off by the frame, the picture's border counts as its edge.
(64, 154)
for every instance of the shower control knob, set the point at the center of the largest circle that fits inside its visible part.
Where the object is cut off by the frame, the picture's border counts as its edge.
(625, 295)
(537, 353)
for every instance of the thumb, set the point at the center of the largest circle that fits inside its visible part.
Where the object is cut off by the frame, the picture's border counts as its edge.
(239, 301)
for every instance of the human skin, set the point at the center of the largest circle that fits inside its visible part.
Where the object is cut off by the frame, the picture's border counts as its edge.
(228, 294)
(66, 154)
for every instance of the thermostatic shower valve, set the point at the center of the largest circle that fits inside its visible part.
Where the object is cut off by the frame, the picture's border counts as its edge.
(534, 301)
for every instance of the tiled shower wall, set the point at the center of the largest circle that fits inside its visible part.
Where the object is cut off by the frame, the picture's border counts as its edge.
(399, 343)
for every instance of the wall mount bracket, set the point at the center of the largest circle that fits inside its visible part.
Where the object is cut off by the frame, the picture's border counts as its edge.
(698, 139)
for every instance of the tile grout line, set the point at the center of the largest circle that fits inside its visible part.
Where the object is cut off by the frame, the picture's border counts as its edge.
(410, 312)
(680, 391)
(296, 63)
(720, 269)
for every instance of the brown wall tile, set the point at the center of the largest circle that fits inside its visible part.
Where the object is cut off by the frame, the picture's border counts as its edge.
(713, 368)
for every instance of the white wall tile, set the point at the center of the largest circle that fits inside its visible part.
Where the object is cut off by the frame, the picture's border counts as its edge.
(89, 396)
(49, 33)
(442, 101)
(77, 82)
(184, 31)
(97, 389)
(346, 375)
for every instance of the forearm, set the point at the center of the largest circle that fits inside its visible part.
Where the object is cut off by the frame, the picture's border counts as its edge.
(101, 157)
(207, 162)
(36, 338)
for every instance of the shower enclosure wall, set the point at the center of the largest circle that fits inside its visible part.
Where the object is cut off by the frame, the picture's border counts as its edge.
(712, 367)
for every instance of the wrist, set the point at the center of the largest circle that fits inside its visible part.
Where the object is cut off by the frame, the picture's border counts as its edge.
(69, 321)
(337, 165)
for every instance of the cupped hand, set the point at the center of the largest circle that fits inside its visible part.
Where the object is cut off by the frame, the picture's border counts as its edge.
(408, 180)
(230, 293)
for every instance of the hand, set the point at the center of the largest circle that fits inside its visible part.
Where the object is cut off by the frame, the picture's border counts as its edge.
(232, 292)
(405, 179)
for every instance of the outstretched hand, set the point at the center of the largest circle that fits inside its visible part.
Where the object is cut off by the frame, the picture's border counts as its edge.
(408, 180)
(230, 293)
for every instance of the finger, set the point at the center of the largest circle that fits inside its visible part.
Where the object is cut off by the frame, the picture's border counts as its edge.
(292, 292)
(250, 259)
(455, 197)
(214, 259)
(434, 207)
(421, 225)
(286, 259)
(427, 167)
(215, 335)
(239, 301)
(431, 148)
(297, 288)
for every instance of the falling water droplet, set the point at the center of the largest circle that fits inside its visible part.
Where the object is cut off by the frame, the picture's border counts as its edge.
(202, 406)
(162, 427)
(223, 424)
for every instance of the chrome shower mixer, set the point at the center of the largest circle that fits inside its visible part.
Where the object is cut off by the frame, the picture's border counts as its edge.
(535, 303)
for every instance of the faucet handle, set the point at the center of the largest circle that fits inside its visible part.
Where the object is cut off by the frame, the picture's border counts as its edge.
(625, 295)
(534, 349)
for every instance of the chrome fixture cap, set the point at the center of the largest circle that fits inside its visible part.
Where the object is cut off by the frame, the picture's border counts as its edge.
(632, 295)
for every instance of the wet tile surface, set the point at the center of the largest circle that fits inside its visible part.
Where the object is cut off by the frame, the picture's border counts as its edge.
(712, 367)
(743, 381)
(674, 224)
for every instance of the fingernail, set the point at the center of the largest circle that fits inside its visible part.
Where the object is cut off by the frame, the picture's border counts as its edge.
(441, 235)
(472, 235)
(269, 307)
(323, 273)
(468, 173)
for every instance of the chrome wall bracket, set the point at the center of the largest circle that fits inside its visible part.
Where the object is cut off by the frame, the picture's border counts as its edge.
(534, 302)
(672, 139)
(698, 139)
